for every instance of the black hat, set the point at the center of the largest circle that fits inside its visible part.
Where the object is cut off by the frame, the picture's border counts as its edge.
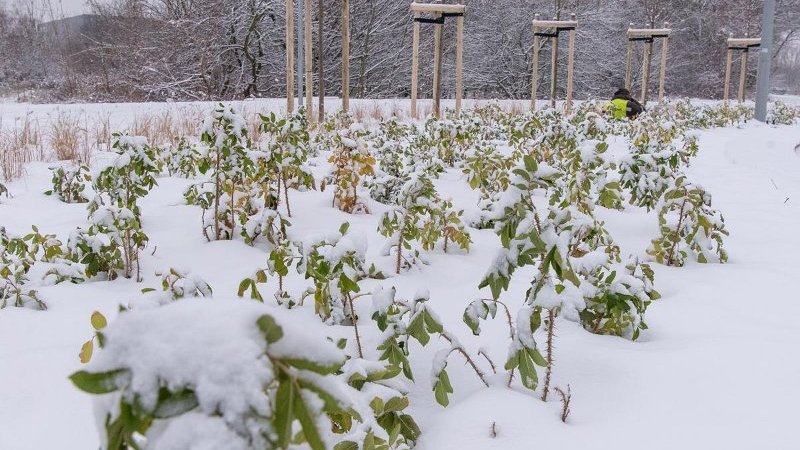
(622, 91)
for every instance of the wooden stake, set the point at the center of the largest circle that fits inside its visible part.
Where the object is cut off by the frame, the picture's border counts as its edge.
(309, 61)
(437, 68)
(345, 55)
(289, 56)
(459, 63)
(728, 69)
(648, 51)
(742, 76)
(662, 77)
(321, 59)
(553, 70)
(535, 74)
(570, 66)
(629, 64)
(415, 67)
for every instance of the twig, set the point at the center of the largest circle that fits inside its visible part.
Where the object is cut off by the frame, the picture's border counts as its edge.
(466, 356)
(491, 363)
(565, 399)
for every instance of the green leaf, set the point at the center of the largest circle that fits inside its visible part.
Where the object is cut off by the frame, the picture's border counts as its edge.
(100, 383)
(396, 404)
(346, 445)
(171, 404)
(313, 366)
(538, 359)
(308, 424)
(272, 331)
(430, 321)
(416, 329)
(441, 388)
(284, 410)
(98, 321)
(86, 351)
(409, 428)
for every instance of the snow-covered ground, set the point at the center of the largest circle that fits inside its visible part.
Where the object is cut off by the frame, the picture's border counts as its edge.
(718, 367)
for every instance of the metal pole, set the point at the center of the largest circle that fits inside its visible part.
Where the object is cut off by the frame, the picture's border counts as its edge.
(765, 60)
(535, 75)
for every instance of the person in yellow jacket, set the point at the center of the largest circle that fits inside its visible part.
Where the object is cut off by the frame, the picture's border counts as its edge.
(622, 105)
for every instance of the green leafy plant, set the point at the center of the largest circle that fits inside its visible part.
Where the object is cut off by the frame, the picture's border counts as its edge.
(689, 225)
(99, 322)
(16, 260)
(226, 157)
(177, 284)
(69, 182)
(420, 216)
(351, 162)
(285, 154)
(284, 388)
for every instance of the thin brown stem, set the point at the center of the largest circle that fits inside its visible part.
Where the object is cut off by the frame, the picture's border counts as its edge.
(286, 195)
(551, 324)
(469, 359)
(489, 360)
(677, 235)
(217, 195)
(354, 319)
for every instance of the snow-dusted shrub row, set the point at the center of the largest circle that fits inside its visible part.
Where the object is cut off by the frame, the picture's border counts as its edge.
(540, 177)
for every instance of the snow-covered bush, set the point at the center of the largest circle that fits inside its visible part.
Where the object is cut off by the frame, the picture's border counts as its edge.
(689, 225)
(335, 264)
(398, 321)
(488, 171)
(182, 159)
(16, 260)
(351, 161)
(655, 160)
(177, 284)
(236, 375)
(282, 156)
(69, 182)
(617, 296)
(131, 175)
(783, 114)
(224, 134)
(423, 217)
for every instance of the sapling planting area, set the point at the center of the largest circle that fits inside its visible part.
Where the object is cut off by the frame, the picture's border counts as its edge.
(495, 279)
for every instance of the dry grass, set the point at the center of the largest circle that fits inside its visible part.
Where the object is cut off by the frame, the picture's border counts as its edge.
(68, 139)
(102, 132)
(16, 150)
(516, 108)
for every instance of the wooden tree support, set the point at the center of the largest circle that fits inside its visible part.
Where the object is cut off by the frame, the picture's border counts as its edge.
(648, 36)
(550, 30)
(345, 55)
(742, 45)
(440, 12)
(308, 47)
(289, 57)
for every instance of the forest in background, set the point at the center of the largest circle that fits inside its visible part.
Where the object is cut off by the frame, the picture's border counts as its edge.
(152, 50)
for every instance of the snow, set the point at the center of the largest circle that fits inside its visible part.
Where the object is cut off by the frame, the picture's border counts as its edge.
(717, 367)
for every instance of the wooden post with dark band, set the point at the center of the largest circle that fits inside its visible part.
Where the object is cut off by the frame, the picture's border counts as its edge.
(550, 30)
(440, 13)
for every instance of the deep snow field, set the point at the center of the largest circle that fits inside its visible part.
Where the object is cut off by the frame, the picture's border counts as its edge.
(718, 367)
